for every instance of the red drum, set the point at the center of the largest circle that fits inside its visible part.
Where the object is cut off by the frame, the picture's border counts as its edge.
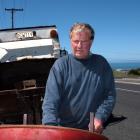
(41, 132)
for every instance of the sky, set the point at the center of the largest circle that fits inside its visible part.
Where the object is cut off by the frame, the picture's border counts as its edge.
(116, 23)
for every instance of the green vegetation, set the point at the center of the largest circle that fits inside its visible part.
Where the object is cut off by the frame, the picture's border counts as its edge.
(120, 74)
(133, 73)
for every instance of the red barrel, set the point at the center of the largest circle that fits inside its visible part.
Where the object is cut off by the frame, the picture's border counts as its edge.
(41, 132)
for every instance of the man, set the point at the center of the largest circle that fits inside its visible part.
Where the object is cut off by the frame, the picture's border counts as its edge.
(78, 84)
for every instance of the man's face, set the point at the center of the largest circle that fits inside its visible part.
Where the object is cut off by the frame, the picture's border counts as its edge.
(81, 44)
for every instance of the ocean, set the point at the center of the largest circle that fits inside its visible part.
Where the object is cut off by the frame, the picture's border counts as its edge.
(125, 65)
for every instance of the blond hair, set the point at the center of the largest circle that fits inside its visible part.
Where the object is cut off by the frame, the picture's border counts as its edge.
(79, 27)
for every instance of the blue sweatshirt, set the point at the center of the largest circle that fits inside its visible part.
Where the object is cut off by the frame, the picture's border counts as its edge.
(77, 87)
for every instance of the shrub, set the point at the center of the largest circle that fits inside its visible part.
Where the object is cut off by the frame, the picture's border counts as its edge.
(134, 71)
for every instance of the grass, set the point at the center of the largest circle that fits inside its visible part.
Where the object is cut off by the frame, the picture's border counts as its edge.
(124, 74)
(120, 74)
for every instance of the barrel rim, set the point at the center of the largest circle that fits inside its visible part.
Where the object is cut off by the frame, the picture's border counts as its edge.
(3, 126)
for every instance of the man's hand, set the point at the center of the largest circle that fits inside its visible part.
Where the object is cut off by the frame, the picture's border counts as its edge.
(97, 126)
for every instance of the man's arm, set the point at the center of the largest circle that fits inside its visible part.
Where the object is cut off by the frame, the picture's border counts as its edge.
(106, 108)
(52, 97)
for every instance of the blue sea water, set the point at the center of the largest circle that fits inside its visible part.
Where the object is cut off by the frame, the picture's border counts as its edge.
(125, 65)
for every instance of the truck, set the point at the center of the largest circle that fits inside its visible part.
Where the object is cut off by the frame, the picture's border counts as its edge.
(26, 57)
